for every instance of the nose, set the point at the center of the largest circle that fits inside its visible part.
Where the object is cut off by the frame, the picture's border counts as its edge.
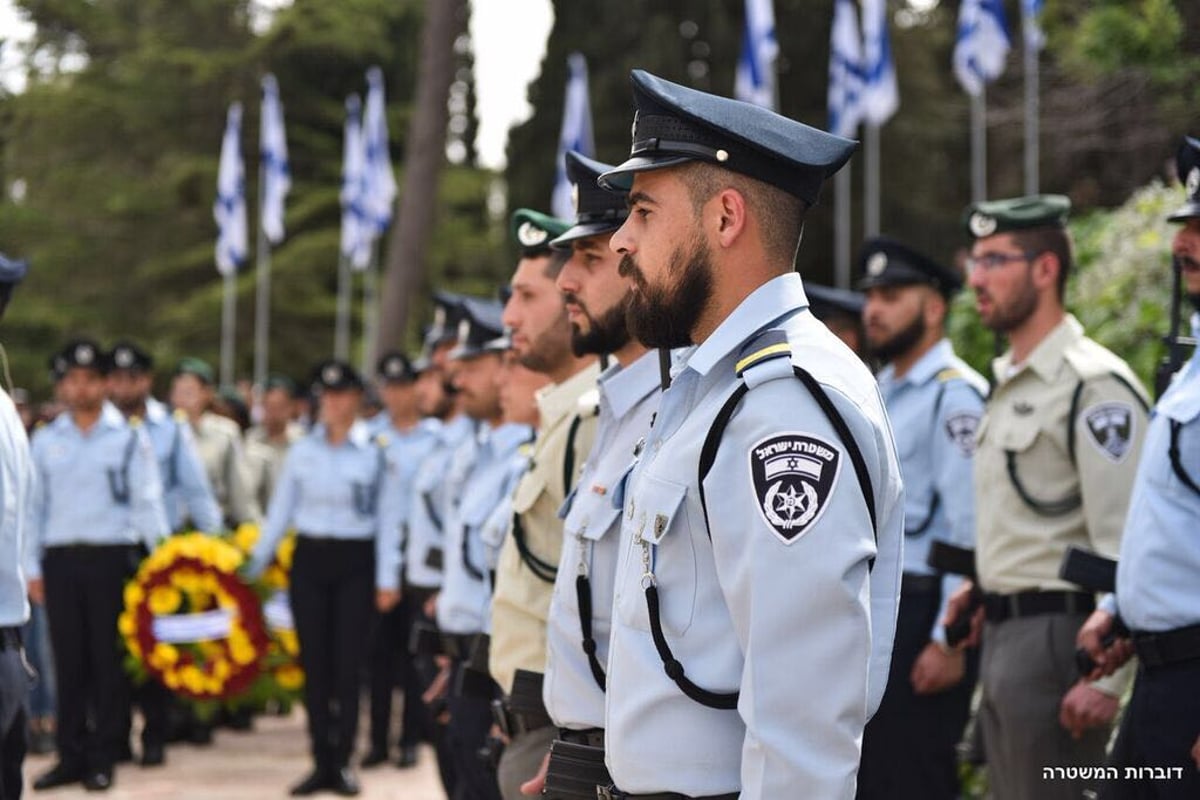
(622, 241)
(976, 277)
(510, 317)
(568, 279)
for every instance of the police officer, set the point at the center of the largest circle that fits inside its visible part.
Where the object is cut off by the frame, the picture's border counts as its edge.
(757, 588)
(1055, 458)
(188, 495)
(541, 335)
(16, 490)
(581, 607)
(268, 442)
(340, 492)
(97, 510)
(409, 440)
(1160, 557)
(219, 441)
(464, 602)
(934, 401)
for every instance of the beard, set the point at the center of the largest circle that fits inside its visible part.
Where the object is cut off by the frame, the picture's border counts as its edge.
(901, 342)
(607, 333)
(1005, 318)
(658, 316)
(549, 351)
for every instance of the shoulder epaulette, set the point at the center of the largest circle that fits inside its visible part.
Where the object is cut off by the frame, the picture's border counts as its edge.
(180, 415)
(948, 374)
(135, 421)
(589, 403)
(381, 440)
(770, 345)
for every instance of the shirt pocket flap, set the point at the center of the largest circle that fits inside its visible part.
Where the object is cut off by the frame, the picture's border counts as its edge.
(660, 502)
(600, 518)
(532, 484)
(1017, 438)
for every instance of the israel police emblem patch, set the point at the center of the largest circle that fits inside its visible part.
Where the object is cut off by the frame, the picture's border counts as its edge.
(793, 475)
(960, 429)
(1111, 429)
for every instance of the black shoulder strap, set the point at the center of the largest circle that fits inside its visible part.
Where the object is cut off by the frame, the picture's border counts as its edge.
(542, 569)
(118, 480)
(1176, 462)
(569, 454)
(173, 459)
(583, 594)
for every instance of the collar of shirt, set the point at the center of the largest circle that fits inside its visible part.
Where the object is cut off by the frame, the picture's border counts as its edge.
(156, 412)
(924, 370)
(623, 388)
(109, 417)
(457, 429)
(761, 309)
(560, 399)
(508, 437)
(1047, 358)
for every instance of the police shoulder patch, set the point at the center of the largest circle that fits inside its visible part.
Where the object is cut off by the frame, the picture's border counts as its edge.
(960, 429)
(1110, 426)
(793, 476)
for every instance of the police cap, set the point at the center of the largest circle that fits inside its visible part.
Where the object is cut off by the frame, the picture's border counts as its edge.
(479, 328)
(532, 231)
(597, 211)
(332, 375)
(128, 356)
(990, 217)
(394, 367)
(1187, 164)
(82, 353)
(886, 262)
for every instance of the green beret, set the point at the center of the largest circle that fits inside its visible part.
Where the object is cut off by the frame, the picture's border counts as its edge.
(533, 230)
(197, 367)
(277, 381)
(1019, 213)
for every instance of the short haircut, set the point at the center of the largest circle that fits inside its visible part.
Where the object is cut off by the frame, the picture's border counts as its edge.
(558, 260)
(780, 215)
(1036, 241)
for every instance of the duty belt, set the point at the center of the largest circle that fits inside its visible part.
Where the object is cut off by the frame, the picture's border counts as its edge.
(523, 710)
(912, 583)
(1000, 607)
(457, 645)
(613, 793)
(10, 639)
(576, 769)
(1167, 647)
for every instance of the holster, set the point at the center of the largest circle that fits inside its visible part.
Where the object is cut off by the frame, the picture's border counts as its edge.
(575, 770)
(474, 680)
(423, 639)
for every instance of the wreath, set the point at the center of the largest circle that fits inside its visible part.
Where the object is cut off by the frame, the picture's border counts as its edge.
(281, 664)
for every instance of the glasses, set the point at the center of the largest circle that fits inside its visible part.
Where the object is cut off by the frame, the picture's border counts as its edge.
(991, 261)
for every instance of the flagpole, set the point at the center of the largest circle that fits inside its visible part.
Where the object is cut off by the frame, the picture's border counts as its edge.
(1032, 122)
(870, 180)
(370, 314)
(262, 307)
(341, 331)
(841, 228)
(228, 321)
(979, 145)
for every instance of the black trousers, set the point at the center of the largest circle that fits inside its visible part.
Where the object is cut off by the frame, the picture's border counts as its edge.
(15, 680)
(390, 665)
(332, 596)
(909, 745)
(419, 675)
(470, 721)
(84, 596)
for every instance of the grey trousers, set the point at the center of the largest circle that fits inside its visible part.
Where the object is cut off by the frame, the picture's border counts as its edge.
(522, 759)
(1027, 666)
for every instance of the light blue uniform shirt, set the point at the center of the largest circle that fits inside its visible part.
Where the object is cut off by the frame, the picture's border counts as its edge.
(407, 450)
(591, 544)
(464, 603)
(935, 410)
(187, 492)
(432, 498)
(16, 502)
(1158, 575)
(100, 488)
(347, 491)
(776, 598)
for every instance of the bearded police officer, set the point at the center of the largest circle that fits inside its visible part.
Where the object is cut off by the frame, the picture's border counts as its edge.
(1056, 453)
(756, 591)
(541, 338)
(934, 401)
(1157, 596)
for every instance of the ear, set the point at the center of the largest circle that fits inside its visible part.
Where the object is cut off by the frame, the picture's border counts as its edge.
(1045, 270)
(728, 209)
(934, 308)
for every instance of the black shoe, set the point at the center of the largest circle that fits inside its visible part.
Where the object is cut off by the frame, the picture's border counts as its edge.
(41, 742)
(408, 756)
(98, 781)
(200, 735)
(374, 758)
(125, 754)
(58, 775)
(153, 755)
(315, 782)
(344, 783)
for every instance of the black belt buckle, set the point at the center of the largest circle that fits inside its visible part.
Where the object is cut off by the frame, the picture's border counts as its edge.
(575, 771)
(1149, 650)
(609, 793)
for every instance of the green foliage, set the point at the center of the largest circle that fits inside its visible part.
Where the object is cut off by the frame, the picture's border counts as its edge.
(1118, 34)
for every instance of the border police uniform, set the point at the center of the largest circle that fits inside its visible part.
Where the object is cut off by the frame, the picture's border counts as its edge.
(756, 593)
(98, 510)
(1158, 580)
(529, 558)
(264, 454)
(345, 502)
(934, 408)
(1056, 453)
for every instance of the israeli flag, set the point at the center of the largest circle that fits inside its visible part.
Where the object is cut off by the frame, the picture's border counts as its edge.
(272, 144)
(845, 71)
(1031, 11)
(378, 179)
(982, 45)
(356, 236)
(881, 96)
(754, 81)
(229, 210)
(576, 134)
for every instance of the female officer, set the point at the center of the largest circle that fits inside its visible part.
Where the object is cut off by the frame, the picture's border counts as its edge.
(340, 493)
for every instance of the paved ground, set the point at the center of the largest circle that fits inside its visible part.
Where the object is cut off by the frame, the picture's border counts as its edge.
(245, 766)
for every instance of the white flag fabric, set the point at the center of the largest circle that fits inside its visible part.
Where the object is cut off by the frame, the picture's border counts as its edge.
(1031, 11)
(272, 148)
(576, 134)
(379, 181)
(754, 81)
(229, 210)
(881, 95)
(356, 232)
(982, 45)
(845, 70)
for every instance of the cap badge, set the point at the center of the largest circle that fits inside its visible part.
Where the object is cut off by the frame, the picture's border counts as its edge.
(633, 129)
(575, 197)
(530, 235)
(722, 156)
(84, 355)
(394, 368)
(123, 357)
(982, 225)
(1193, 181)
(464, 331)
(331, 374)
(876, 264)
